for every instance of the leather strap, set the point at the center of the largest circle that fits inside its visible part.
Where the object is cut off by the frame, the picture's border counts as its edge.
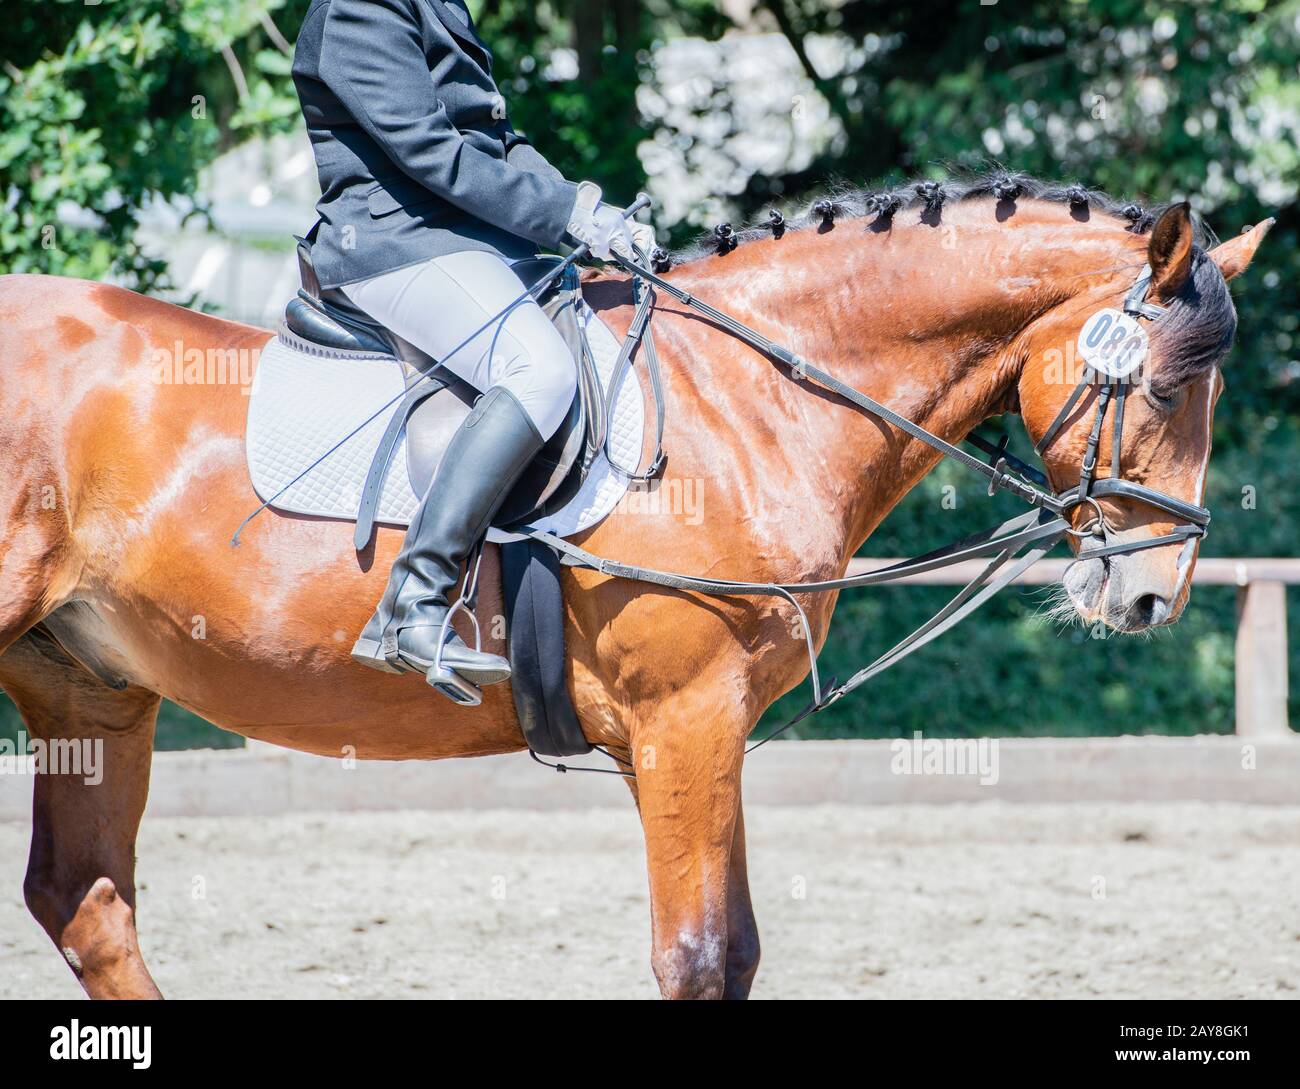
(1117, 430)
(1027, 528)
(1038, 529)
(1053, 429)
(639, 332)
(800, 368)
(372, 490)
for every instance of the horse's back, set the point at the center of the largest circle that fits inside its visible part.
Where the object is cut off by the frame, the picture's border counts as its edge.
(31, 298)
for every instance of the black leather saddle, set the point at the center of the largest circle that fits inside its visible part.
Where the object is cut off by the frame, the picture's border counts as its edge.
(436, 401)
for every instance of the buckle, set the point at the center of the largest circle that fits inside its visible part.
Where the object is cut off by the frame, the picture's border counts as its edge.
(999, 477)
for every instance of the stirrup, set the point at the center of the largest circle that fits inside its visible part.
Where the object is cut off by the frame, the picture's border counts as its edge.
(455, 687)
(447, 681)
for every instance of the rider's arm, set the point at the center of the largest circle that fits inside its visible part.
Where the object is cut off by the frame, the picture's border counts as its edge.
(521, 153)
(372, 57)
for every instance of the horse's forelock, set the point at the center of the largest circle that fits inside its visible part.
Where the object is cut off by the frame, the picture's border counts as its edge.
(1197, 331)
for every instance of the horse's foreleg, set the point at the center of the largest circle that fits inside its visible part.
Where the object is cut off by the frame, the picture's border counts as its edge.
(688, 787)
(742, 928)
(80, 881)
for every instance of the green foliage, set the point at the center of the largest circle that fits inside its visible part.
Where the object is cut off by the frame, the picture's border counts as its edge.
(177, 729)
(589, 125)
(1143, 98)
(104, 107)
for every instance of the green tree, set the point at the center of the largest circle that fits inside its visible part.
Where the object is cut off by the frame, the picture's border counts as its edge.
(105, 107)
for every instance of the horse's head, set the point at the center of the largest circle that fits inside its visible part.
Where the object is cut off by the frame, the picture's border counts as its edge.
(1167, 422)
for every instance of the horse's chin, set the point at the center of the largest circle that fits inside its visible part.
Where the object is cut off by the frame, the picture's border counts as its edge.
(1085, 585)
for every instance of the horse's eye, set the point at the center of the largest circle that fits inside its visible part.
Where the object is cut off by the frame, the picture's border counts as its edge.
(1163, 404)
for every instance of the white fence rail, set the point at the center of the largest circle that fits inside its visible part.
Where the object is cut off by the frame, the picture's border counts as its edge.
(1261, 660)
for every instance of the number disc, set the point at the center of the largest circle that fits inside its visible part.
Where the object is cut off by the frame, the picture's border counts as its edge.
(1113, 343)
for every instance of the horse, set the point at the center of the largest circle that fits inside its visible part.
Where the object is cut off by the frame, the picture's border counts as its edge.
(124, 476)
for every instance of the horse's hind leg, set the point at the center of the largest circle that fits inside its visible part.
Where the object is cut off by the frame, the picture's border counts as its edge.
(80, 882)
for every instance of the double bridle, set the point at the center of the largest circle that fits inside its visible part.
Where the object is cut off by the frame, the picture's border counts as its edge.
(1091, 488)
(1011, 547)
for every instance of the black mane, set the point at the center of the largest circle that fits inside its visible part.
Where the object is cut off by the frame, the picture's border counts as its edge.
(1201, 322)
(1199, 327)
(878, 205)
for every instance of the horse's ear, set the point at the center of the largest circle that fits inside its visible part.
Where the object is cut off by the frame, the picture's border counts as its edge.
(1233, 256)
(1169, 253)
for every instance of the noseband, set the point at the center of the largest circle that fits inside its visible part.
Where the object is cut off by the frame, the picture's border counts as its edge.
(1090, 489)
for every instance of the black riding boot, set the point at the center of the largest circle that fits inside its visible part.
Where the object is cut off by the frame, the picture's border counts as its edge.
(481, 464)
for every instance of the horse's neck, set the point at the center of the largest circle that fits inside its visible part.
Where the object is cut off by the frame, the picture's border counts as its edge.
(929, 332)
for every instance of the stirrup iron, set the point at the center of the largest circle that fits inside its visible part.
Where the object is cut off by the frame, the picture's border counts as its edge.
(447, 681)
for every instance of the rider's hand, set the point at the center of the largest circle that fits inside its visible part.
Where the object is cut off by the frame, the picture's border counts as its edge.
(643, 235)
(599, 226)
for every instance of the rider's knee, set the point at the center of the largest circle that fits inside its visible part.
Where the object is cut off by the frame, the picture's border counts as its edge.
(545, 384)
(556, 377)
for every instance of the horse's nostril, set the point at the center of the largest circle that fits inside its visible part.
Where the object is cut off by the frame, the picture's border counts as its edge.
(1149, 609)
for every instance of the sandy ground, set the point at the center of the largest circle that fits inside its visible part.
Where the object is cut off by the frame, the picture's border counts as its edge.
(992, 900)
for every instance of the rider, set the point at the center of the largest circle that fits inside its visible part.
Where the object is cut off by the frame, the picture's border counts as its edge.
(428, 196)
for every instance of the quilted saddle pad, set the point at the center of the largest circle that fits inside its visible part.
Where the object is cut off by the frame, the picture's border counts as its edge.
(315, 421)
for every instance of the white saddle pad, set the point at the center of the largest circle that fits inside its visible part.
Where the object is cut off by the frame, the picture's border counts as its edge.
(303, 405)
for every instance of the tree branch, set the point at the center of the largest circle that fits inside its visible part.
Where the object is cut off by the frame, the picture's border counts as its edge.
(273, 32)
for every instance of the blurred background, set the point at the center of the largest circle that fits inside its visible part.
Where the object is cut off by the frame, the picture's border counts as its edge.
(163, 140)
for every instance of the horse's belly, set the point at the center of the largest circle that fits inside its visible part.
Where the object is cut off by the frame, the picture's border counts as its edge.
(306, 696)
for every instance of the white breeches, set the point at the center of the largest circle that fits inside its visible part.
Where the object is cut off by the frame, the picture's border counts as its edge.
(437, 304)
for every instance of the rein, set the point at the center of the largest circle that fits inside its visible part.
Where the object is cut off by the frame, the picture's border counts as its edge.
(1011, 547)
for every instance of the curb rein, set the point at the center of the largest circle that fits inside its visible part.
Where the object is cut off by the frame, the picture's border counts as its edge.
(1036, 531)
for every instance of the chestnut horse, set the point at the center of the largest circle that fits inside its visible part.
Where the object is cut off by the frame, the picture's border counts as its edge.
(122, 487)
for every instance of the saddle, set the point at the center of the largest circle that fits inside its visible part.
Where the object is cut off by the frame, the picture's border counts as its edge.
(436, 400)
(326, 324)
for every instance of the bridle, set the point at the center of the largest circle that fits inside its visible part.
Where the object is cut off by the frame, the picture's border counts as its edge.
(1091, 488)
(1011, 547)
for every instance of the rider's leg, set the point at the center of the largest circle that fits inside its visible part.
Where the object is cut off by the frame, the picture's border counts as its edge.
(528, 371)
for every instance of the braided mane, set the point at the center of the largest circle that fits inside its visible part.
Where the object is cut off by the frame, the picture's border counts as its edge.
(1201, 321)
(879, 204)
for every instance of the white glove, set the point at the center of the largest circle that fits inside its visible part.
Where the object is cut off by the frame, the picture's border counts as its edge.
(601, 227)
(643, 235)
